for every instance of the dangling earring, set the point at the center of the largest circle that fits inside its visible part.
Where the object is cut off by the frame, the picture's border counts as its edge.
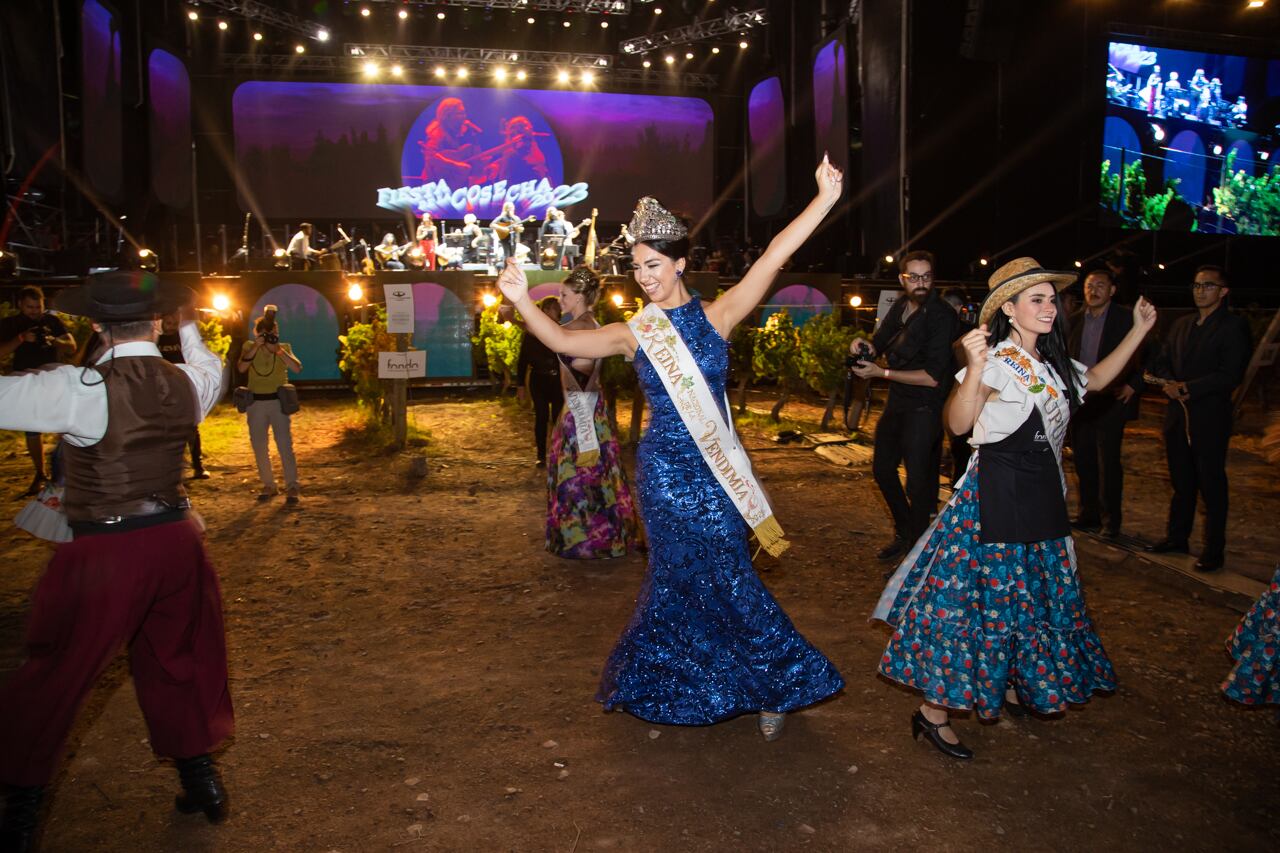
(679, 273)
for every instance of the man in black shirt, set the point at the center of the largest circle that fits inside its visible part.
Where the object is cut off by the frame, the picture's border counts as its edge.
(915, 342)
(512, 225)
(1204, 358)
(170, 345)
(34, 338)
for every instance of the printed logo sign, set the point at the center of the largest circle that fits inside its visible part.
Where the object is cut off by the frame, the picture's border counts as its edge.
(399, 308)
(402, 365)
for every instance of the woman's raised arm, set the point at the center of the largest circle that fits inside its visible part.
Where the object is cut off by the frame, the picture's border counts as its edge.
(613, 339)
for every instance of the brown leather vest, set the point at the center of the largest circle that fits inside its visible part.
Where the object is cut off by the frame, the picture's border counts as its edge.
(136, 469)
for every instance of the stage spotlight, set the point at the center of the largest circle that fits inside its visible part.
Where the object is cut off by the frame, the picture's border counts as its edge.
(1157, 132)
(1160, 266)
(221, 302)
(222, 25)
(322, 35)
(520, 75)
(515, 57)
(148, 260)
(549, 259)
(439, 16)
(689, 55)
(489, 300)
(500, 74)
(297, 48)
(888, 259)
(364, 12)
(1264, 156)
(567, 24)
(983, 261)
(604, 25)
(1255, 4)
(563, 77)
(440, 72)
(403, 14)
(531, 20)
(281, 261)
(657, 10)
(355, 292)
(617, 300)
(743, 44)
(8, 265)
(588, 78)
(462, 73)
(669, 59)
(257, 36)
(193, 15)
(647, 64)
(397, 70)
(855, 301)
(1217, 150)
(715, 50)
(1079, 264)
(370, 69)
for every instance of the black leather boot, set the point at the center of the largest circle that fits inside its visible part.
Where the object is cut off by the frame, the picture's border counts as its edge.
(202, 789)
(21, 816)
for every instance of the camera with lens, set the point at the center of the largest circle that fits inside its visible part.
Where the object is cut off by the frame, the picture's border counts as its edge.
(42, 335)
(266, 326)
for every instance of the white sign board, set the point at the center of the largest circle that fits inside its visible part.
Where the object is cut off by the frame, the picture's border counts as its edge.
(402, 365)
(399, 308)
(887, 298)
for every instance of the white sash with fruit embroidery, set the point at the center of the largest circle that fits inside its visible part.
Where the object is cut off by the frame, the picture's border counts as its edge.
(715, 438)
(1055, 410)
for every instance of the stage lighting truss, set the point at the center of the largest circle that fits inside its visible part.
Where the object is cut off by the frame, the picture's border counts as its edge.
(251, 10)
(601, 7)
(478, 58)
(732, 24)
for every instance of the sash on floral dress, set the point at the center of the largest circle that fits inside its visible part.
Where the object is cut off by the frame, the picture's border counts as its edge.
(581, 403)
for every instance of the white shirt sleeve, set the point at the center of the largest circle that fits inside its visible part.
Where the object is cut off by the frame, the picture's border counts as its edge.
(56, 400)
(298, 245)
(202, 367)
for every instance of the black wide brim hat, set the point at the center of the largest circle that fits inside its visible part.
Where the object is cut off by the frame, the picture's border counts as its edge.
(123, 296)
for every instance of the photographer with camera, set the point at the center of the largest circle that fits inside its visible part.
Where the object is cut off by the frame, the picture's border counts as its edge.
(269, 401)
(915, 340)
(35, 339)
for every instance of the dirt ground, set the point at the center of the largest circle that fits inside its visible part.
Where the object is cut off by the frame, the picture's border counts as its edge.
(412, 671)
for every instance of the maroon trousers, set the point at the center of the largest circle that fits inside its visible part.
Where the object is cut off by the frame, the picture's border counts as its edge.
(153, 590)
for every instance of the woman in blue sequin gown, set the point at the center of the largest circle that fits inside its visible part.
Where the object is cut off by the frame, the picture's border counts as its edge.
(707, 641)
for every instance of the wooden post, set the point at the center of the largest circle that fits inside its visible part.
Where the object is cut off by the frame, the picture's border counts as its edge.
(400, 401)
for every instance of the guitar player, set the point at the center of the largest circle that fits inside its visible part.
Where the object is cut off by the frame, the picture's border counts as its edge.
(507, 228)
(447, 151)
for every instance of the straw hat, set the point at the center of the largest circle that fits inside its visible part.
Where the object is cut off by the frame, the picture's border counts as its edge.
(1015, 277)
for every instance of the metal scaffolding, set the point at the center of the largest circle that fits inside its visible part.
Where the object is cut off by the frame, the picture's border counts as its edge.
(731, 24)
(602, 7)
(251, 10)
(482, 57)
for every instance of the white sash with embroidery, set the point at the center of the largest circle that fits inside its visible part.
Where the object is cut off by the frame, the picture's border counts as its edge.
(582, 405)
(715, 438)
(1055, 410)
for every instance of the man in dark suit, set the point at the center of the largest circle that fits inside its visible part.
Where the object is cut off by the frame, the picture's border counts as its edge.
(1203, 360)
(1097, 429)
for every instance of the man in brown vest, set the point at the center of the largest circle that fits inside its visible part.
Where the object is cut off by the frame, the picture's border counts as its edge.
(136, 572)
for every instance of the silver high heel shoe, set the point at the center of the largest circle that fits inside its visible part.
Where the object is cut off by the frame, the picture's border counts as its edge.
(771, 725)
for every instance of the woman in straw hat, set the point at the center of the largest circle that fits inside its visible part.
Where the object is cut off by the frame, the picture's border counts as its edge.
(707, 641)
(986, 609)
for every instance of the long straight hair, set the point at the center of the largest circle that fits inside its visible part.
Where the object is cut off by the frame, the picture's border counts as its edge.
(1052, 347)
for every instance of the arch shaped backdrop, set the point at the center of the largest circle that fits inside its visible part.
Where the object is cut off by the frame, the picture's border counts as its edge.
(308, 324)
(442, 328)
(1186, 164)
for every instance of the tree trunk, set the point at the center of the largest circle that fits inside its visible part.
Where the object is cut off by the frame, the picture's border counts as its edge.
(506, 381)
(742, 394)
(637, 414)
(776, 412)
(831, 407)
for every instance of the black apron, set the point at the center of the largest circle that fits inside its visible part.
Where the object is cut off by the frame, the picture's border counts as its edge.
(1020, 495)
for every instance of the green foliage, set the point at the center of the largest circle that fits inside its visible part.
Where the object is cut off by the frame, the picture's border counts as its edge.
(1141, 210)
(81, 328)
(824, 343)
(1109, 188)
(359, 349)
(212, 335)
(1252, 203)
(501, 341)
(777, 351)
(616, 373)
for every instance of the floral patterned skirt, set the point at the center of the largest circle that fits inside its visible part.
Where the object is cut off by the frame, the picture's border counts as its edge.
(971, 619)
(1255, 645)
(590, 512)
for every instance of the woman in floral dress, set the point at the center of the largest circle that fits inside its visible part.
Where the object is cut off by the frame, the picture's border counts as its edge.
(987, 609)
(1255, 646)
(590, 512)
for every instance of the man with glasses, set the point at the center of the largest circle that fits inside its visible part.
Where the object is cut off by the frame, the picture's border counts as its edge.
(1097, 429)
(914, 340)
(1201, 364)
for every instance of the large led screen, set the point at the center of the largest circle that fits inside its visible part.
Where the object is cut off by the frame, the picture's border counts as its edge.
(100, 104)
(170, 126)
(831, 102)
(335, 150)
(1190, 141)
(766, 126)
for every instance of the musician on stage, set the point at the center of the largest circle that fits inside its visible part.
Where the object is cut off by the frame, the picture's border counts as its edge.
(388, 253)
(427, 238)
(510, 223)
(1240, 112)
(473, 237)
(521, 159)
(447, 149)
(301, 255)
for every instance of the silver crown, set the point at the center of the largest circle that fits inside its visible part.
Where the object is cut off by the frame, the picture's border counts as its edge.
(582, 278)
(652, 221)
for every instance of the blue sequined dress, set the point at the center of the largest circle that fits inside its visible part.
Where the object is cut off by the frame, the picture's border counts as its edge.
(707, 640)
